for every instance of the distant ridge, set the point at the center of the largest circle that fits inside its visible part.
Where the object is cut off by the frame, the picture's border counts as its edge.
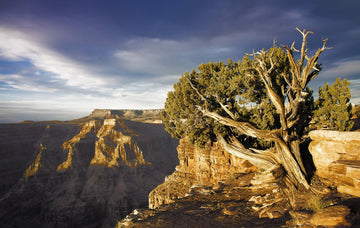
(139, 115)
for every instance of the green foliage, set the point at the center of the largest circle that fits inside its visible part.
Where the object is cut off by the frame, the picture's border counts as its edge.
(333, 110)
(236, 85)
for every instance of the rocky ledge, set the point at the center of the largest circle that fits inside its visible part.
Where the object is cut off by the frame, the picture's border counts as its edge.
(211, 188)
(337, 159)
(210, 167)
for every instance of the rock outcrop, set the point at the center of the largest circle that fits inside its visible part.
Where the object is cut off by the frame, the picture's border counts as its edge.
(111, 145)
(211, 188)
(36, 165)
(70, 145)
(334, 216)
(336, 156)
(204, 170)
(77, 174)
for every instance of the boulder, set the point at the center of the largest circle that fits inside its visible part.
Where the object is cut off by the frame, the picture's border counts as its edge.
(336, 156)
(331, 217)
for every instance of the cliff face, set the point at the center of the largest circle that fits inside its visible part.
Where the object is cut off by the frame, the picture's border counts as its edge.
(337, 158)
(211, 188)
(87, 175)
(206, 168)
(111, 145)
(20, 146)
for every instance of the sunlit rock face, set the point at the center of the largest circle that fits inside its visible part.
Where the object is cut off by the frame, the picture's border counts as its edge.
(209, 167)
(336, 156)
(80, 175)
(111, 145)
(70, 145)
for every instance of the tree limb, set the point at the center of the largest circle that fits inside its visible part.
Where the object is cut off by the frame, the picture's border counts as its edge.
(225, 108)
(263, 160)
(304, 33)
(198, 93)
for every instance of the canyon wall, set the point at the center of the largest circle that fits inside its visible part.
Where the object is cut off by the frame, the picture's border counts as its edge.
(199, 168)
(336, 156)
(87, 174)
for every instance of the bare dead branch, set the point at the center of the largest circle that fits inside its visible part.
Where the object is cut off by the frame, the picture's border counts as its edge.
(236, 148)
(225, 108)
(310, 71)
(304, 33)
(294, 69)
(274, 97)
(198, 93)
(271, 66)
(293, 47)
(286, 79)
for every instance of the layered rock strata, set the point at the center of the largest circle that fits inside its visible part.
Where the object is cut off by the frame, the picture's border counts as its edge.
(212, 188)
(336, 156)
(199, 169)
(80, 174)
(111, 145)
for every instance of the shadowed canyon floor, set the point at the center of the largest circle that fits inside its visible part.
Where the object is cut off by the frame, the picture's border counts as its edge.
(84, 173)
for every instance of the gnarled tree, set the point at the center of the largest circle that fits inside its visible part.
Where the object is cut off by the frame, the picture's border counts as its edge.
(256, 108)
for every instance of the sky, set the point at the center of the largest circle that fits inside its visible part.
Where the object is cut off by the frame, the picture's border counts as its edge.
(59, 60)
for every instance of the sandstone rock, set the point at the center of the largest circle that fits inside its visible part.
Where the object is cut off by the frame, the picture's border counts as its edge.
(334, 216)
(69, 146)
(353, 171)
(111, 145)
(336, 156)
(324, 153)
(210, 168)
(349, 190)
(342, 136)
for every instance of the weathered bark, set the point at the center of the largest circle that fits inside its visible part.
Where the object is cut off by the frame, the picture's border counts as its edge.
(263, 159)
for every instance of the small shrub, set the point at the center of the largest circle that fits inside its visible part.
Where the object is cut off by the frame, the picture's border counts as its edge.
(317, 203)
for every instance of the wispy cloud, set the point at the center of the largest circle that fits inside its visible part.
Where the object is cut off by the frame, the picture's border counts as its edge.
(17, 46)
(23, 83)
(343, 69)
(152, 56)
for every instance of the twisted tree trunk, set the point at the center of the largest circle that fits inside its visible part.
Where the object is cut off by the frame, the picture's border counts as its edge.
(286, 153)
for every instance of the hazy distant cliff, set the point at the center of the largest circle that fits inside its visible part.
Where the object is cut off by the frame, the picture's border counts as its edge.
(85, 173)
(145, 116)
